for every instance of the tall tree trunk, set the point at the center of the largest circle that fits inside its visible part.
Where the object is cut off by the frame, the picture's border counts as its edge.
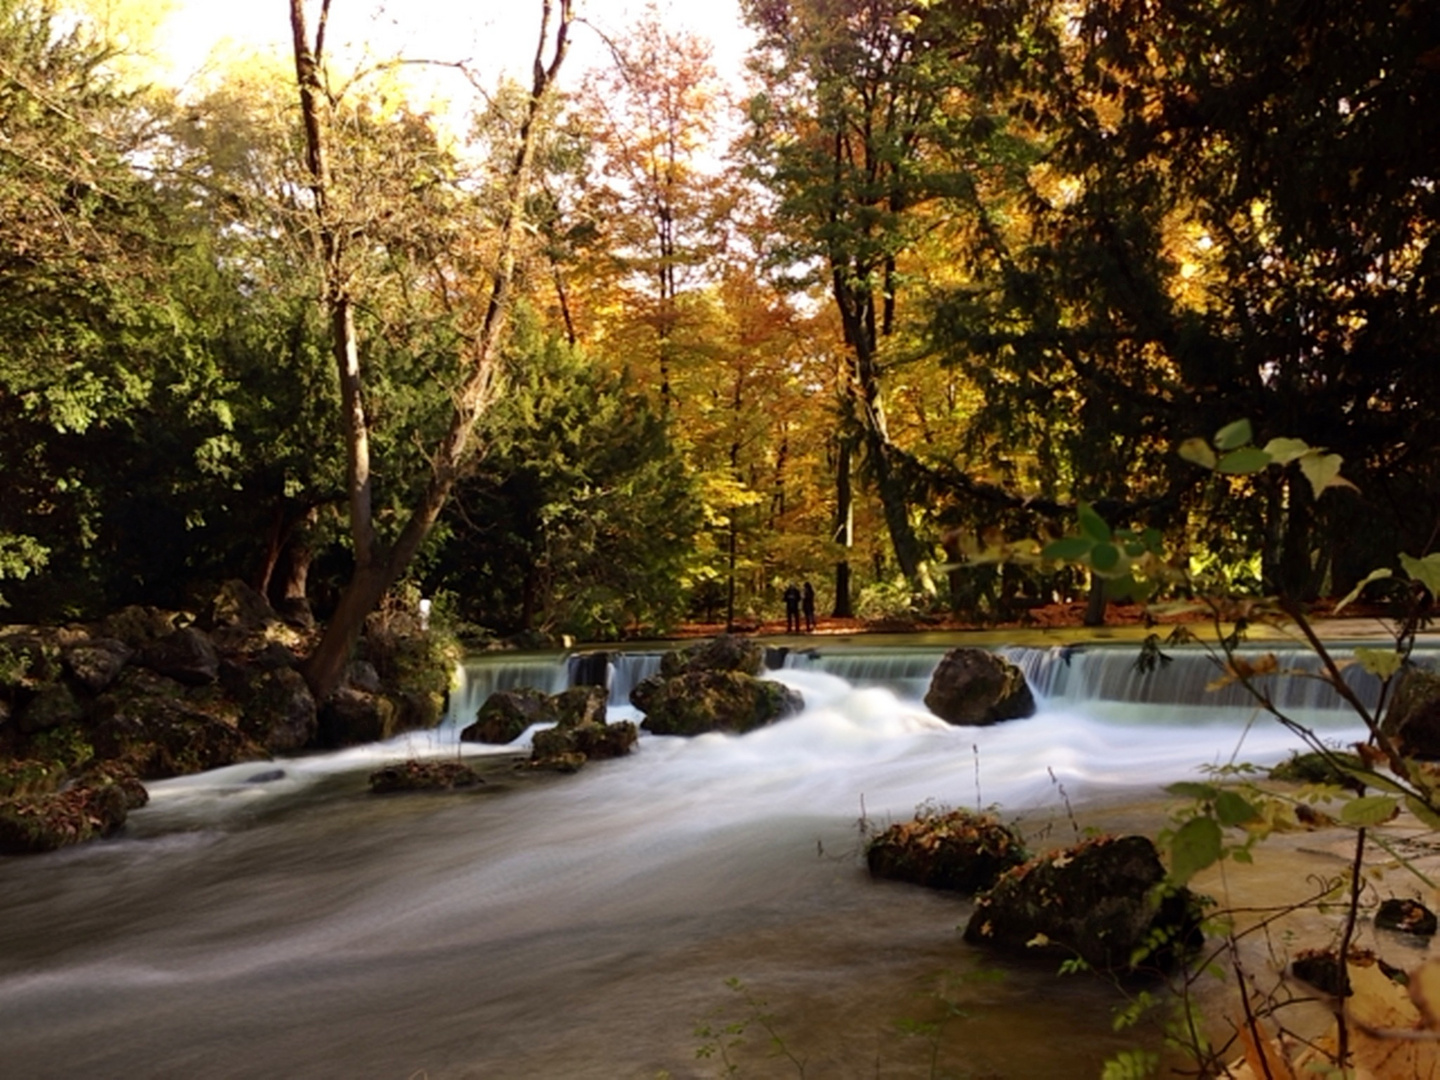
(866, 409)
(376, 569)
(844, 529)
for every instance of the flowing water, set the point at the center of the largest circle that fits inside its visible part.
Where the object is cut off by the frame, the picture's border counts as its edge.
(275, 920)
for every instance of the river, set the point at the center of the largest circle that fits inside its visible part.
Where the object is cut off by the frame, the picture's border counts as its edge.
(697, 905)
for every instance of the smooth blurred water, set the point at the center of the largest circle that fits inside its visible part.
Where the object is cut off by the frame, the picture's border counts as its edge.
(255, 925)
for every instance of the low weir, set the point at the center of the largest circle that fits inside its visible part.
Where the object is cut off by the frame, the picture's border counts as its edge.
(275, 919)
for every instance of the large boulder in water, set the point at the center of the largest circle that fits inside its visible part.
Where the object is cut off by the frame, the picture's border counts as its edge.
(701, 701)
(505, 714)
(956, 850)
(1413, 716)
(712, 686)
(974, 687)
(1103, 901)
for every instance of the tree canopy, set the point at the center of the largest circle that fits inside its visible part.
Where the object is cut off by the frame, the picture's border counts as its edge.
(936, 276)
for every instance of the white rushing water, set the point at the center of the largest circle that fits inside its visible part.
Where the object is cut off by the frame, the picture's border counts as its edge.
(274, 919)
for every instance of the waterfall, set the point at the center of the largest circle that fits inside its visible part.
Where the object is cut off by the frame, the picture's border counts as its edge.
(1058, 675)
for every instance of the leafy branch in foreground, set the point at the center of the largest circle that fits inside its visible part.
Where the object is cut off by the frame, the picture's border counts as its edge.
(1224, 820)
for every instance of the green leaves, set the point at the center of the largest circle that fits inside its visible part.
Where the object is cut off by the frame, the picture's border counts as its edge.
(1198, 451)
(1382, 663)
(1426, 571)
(1131, 561)
(1200, 841)
(1246, 460)
(1232, 454)
(1354, 594)
(1196, 845)
(1370, 810)
(1233, 436)
(1092, 525)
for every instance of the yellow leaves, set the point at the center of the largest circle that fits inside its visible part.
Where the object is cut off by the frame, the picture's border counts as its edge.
(1425, 991)
(1264, 1056)
(1391, 1032)
(1239, 669)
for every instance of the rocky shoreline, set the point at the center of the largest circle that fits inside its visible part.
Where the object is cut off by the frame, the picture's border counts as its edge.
(90, 712)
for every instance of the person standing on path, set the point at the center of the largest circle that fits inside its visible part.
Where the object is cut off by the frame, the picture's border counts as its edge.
(792, 609)
(807, 605)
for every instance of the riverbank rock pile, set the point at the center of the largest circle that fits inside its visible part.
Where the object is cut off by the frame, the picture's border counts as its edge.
(955, 850)
(713, 686)
(1103, 901)
(87, 712)
(975, 687)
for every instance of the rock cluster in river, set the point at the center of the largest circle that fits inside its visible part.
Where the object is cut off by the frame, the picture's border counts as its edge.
(577, 731)
(713, 686)
(87, 712)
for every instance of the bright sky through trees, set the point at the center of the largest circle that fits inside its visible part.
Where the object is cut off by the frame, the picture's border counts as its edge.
(490, 35)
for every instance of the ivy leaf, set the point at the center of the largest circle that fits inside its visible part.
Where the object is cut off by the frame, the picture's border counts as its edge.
(1247, 459)
(1426, 571)
(1382, 663)
(1198, 451)
(1323, 471)
(1068, 549)
(1370, 810)
(1196, 845)
(1234, 435)
(1354, 594)
(1284, 451)
(1234, 809)
(1092, 524)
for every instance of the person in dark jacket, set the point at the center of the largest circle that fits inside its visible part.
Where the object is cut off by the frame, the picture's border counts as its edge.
(807, 605)
(792, 609)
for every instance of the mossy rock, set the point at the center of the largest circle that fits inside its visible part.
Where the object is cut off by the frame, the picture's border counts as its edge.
(702, 701)
(1317, 768)
(959, 851)
(164, 729)
(48, 822)
(423, 776)
(558, 747)
(580, 705)
(506, 714)
(1104, 901)
(54, 706)
(727, 652)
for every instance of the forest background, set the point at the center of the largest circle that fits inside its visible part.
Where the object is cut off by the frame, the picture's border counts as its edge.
(881, 316)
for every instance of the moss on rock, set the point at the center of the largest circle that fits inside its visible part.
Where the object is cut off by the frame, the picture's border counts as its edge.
(956, 850)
